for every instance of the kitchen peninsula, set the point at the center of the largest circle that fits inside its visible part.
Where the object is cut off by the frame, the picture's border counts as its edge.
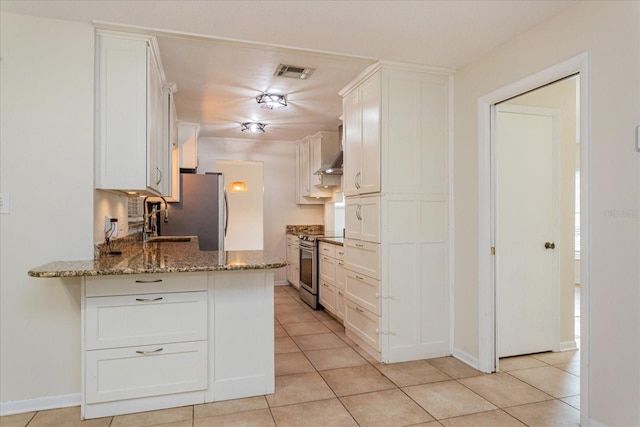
(164, 324)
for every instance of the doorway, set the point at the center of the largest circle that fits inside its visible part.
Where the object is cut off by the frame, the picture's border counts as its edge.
(535, 143)
(487, 313)
(244, 221)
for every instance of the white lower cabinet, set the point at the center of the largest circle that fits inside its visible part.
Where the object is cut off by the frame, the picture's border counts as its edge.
(154, 341)
(331, 278)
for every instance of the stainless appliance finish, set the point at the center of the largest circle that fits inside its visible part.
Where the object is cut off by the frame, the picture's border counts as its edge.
(201, 211)
(309, 270)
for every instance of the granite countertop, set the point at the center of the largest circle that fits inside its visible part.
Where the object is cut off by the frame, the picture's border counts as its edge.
(160, 257)
(339, 241)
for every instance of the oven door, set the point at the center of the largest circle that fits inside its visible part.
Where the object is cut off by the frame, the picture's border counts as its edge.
(307, 267)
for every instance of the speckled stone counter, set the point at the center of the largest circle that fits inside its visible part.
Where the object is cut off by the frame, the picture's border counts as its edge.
(338, 241)
(305, 229)
(161, 257)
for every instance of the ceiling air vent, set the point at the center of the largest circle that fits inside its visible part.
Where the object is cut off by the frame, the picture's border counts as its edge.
(293, 71)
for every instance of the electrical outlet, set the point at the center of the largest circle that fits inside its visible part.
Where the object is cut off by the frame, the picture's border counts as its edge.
(4, 203)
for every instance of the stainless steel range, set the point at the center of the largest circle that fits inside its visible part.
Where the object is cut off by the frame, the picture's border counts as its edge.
(309, 269)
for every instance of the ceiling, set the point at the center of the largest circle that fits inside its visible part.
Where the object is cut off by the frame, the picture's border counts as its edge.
(222, 54)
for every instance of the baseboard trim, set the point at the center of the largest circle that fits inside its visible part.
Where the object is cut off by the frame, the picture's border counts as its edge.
(39, 404)
(568, 346)
(281, 283)
(466, 358)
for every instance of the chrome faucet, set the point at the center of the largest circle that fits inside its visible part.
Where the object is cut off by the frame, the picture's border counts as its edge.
(150, 220)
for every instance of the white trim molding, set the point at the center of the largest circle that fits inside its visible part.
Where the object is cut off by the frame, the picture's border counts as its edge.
(486, 284)
(39, 404)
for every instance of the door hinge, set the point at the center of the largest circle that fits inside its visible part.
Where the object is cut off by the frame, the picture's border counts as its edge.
(493, 250)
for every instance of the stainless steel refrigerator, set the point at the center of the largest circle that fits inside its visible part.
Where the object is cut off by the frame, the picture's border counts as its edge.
(201, 211)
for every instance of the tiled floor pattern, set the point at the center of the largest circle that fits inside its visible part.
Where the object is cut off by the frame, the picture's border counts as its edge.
(324, 379)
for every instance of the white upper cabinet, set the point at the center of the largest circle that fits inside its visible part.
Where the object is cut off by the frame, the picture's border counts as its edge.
(311, 153)
(362, 138)
(396, 131)
(132, 149)
(188, 143)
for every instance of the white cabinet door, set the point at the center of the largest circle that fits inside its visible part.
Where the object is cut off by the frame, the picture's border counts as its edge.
(144, 371)
(361, 112)
(121, 113)
(362, 218)
(352, 142)
(131, 153)
(188, 144)
(157, 150)
(370, 97)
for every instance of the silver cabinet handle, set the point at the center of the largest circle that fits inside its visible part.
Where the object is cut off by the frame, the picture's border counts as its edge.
(359, 310)
(158, 175)
(150, 351)
(149, 299)
(359, 277)
(340, 293)
(341, 264)
(359, 245)
(149, 281)
(325, 285)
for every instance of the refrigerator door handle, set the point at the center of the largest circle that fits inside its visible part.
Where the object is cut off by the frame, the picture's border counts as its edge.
(226, 213)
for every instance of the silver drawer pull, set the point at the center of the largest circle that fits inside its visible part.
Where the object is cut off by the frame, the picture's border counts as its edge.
(359, 310)
(359, 277)
(358, 245)
(325, 285)
(149, 352)
(149, 281)
(340, 293)
(149, 299)
(341, 264)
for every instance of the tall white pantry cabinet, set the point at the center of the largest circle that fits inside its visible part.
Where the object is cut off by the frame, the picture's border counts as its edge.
(396, 181)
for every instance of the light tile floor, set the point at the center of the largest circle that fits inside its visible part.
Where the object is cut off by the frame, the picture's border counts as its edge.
(324, 379)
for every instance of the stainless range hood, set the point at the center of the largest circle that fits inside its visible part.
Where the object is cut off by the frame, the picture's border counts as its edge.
(333, 167)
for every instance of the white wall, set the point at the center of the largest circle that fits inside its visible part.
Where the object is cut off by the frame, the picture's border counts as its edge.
(280, 209)
(610, 33)
(46, 164)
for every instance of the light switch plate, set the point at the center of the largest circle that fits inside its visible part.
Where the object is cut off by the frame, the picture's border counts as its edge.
(4, 203)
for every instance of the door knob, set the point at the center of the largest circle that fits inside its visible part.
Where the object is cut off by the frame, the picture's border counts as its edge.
(549, 245)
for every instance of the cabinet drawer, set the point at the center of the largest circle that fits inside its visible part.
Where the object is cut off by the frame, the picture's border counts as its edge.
(340, 253)
(292, 239)
(120, 321)
(144, 371)
(132, 284)
(327, 268)
(327, 296)
(362, 323)
(363, 290)
(327, 249)
(362, 257)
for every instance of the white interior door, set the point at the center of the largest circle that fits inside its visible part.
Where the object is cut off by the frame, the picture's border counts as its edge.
(526, 214)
